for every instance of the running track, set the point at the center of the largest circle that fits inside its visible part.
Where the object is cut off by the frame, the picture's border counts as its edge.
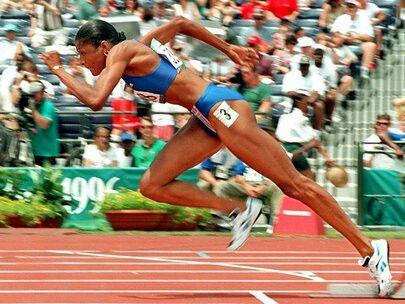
(74, 268)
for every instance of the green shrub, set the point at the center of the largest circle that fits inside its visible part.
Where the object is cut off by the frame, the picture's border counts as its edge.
(126, 199)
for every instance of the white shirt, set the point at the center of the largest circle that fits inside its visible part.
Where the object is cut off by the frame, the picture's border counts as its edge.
(371, 10)
(327, 71)
(100, 159)
(360, 25)
(124, 161)
(294, 81)
(378, 160)
(295, 127)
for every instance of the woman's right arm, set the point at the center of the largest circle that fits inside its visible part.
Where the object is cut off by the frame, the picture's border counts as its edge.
(181, 25)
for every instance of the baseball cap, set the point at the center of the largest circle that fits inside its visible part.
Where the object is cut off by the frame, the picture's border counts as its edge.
(354, 2)
(35, 87)
(127, 137)
(258, 12)
(305, 60)
(305, 41)
(303, 92)
(10, 27)
(254, 40)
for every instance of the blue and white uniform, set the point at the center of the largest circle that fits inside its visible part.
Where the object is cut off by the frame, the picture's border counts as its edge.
(159, 81)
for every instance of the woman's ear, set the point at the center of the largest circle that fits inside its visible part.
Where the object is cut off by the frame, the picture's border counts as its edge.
(105, 45)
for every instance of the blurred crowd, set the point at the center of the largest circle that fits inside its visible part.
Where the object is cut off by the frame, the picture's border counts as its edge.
(312, 55)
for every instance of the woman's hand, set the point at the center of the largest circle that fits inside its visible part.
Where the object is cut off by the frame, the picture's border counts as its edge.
(243, 55)
(51, 59)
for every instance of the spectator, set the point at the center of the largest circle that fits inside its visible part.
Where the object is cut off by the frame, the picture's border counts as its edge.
(148, 22)
(160, 11)
(14, 4)
(47, 24)
(187, 9)
(376, 16)
(357, 30)
(285, 55)
(278, 39)
(398, 134)
(7, 79)
(248, 9)
(381, 142)
(304, 78)
(78, 71)
(342, 56)
(218, 169)
(267, 64)
(221, 69)
(331, 9)
(124, 123)
(163, 123)
(295, 133)
(89, 10)
(45, 137)
(146, 150)
(258, 30)
(125, 158)
(337, 88)
(306, 46)
(132, 7)
(223, 11)
(286, 9)
(100, 154)
(10, 46)
(257, 94)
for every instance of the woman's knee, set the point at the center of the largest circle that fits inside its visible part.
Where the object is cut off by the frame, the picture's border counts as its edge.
(147, 187)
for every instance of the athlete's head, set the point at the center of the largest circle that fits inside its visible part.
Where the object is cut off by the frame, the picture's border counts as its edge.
(93, 42)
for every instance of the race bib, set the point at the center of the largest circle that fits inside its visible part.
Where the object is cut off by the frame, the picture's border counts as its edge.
(167, 53)
(226, 114)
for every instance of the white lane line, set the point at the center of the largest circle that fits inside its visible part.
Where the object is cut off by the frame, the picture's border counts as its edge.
(155, 291)
(235, 265)
(292, 273)
(176, 281)
(204, 255)
(262, 297)
(171, 271)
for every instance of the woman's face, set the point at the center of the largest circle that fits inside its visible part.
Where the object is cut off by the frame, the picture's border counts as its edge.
(91, 57)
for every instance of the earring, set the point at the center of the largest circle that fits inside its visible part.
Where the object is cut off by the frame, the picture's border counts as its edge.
(106, 53)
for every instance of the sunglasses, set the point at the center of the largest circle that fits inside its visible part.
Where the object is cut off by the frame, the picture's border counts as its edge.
(382, 123)
(146, 127)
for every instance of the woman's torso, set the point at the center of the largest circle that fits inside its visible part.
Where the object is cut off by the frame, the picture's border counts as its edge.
(184, 87)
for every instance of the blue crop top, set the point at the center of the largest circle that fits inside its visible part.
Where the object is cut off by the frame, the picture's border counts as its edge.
(157, 82)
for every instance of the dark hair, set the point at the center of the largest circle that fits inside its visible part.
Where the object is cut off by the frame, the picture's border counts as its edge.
(384, 116)
(95, 31)
(291, 39)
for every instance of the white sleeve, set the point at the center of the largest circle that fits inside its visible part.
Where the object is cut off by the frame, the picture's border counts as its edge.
(338, 25)
(318, 85)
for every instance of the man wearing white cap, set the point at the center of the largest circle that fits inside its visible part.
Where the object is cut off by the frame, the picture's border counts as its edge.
(44, 138)
(304, 78)
(356, 28)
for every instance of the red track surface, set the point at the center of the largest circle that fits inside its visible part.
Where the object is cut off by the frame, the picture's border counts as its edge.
(179, 269)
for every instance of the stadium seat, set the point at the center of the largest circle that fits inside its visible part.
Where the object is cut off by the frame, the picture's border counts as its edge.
(43, 69)
(278, 78)
(317, 3)
(310, 13)
(272, 23)
(71, 23)
(276, 89)
(68, 100)
(53, 79)
(242, 22)
(307, 22)
(15, 14)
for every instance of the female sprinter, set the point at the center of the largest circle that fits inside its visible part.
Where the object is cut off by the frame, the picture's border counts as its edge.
(221, 117)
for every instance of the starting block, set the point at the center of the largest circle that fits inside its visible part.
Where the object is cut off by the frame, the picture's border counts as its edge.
(360, 291)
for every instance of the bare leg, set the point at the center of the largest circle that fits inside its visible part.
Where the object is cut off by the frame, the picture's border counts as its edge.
(264, 154)
(190, 146)
(369, 50)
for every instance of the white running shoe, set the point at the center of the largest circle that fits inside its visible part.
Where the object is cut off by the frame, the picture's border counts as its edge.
(379, 268)
(244, 221)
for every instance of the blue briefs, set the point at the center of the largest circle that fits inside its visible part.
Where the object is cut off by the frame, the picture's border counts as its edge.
(211, 96)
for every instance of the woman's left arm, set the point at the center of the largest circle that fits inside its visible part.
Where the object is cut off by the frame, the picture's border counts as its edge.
(181, 25)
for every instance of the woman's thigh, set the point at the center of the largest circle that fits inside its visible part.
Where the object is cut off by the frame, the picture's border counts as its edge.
(187, 148)
(252, 145)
